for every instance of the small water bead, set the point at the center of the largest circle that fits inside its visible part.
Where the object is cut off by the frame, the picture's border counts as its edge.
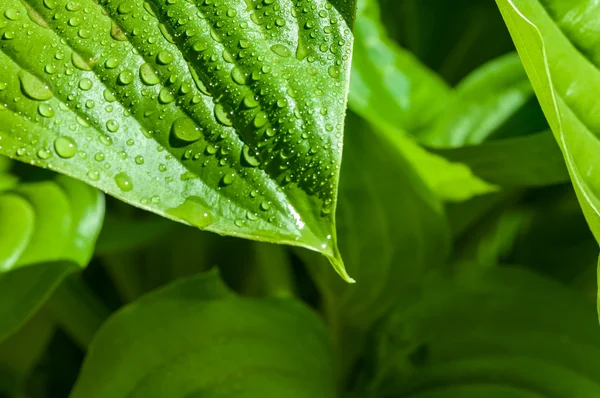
(44, 154)
(162, 167)
(334, 71)
(99, 157)
(148, 76)
(250, 102)
(238, 76)
(45, 110)
(260, 119)
(124, 182)
(139, 160)
(65, 147)
(109, 95)
(21, 152)
(193, 210)
(250, 156)
(265, 206)
(112, 63)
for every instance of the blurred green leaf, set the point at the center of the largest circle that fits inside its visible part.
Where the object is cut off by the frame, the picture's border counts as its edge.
(231, 122)
(528, 161)
(562, 59)
(47, 230)
(498, 333)
(483, 101)
(20, 353)
(195, 338)
(389, 86)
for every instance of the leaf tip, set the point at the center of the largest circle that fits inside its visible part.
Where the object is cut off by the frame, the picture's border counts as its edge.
(338, 265)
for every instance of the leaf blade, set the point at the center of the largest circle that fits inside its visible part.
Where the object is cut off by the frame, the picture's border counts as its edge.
(229, 89)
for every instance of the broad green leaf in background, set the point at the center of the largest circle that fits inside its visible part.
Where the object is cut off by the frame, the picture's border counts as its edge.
(483, 101)
(528, 161)
(389, 86)
(47, 230)
(392, 232)
(500, 333)
(226, 115)
(558, 43)
(393, 91)
(194, 338)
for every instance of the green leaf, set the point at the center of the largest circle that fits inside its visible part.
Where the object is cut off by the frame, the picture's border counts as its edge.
(392, 229)
(557, 42)
(389, 86)
(483, 101)
(503, 332)
(225, 115)
(528, 161)
(47, 230)
(195, 338)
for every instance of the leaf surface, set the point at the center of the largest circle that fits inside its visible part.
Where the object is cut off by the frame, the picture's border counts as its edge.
(225, 115)
(194, 338)
(558, 43)
(47, 230)
(502, 331)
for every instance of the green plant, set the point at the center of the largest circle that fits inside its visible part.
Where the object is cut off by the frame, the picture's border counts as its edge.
(462, 208)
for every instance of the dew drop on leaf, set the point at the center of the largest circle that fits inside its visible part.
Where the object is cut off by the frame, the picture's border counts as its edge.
(194, 211)
(186, 130)
(33, 87)
(65, 147)
(124, 182)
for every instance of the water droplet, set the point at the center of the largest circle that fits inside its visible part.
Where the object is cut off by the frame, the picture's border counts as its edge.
(65, 147)
(186, 130)
(148, 75)
(125, 77)
(334, 71)
(250, 102)
(33, 87)
(165, 57)
(124, 182)
(85, 84)
(250, 157)
(281, 50)
(93, 175)
(139, 160)
(265, 206)
(112, 126)
(166, 96)
(260, 119)
(228, 178)
(45, 110)
(238, 76)
(44, 154)
(194, 211)
(222, 115)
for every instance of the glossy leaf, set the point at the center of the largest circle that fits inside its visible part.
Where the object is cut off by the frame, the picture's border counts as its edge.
(389, 86)
(47, 230)
(483, 101)
(225, 115)
(503, 332)
(562, 59)
(195, 338)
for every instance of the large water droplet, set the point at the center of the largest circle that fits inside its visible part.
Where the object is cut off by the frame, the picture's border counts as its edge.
(65, 147)
(281, 50)
(33, 87)
(186, 130)
(194, 211)
(222, 115)
(148, 75)
(124, 182)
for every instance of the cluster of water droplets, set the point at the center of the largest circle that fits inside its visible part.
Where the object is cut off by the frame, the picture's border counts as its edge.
(193, 77)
